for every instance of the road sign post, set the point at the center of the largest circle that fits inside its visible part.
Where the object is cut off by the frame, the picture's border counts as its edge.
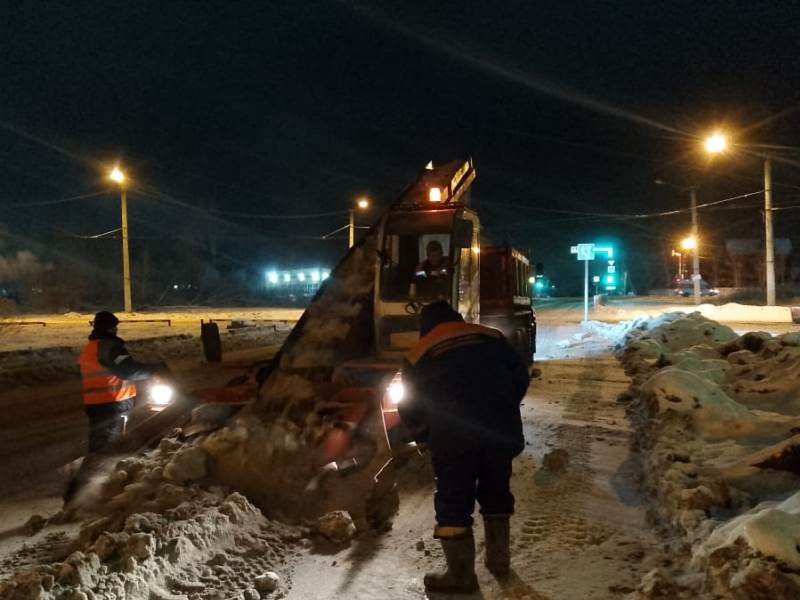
(584, 252)
(585, 291)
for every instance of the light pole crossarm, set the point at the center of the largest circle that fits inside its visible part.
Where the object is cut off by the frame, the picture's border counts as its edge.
(335, 231)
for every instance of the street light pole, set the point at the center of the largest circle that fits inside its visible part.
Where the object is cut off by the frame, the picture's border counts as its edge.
(696, 249)
(126, 259)
(716, 144)
(352, 228)
(119, 177)
(362, 204)
(768, 233)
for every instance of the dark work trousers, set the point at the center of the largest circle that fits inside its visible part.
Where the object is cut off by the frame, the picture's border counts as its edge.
(464, 474)
(106, 423)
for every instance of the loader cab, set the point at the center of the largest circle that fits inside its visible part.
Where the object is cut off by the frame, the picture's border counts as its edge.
(428, 250)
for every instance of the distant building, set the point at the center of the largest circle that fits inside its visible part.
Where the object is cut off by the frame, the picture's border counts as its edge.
(295, 286)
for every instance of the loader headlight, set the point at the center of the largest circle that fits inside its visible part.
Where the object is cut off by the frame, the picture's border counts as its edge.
(161, 394)
(397, 391)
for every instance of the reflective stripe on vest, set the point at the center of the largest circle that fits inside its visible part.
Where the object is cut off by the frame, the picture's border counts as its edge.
(448, 332)
(101, 386)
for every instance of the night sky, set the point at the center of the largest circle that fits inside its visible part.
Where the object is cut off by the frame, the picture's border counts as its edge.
(294, 108)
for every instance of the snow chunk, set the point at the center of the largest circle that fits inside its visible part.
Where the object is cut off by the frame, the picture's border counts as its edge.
(188, 464)
(771, 529)
(337, 526)
(682, 391)
(267, 583)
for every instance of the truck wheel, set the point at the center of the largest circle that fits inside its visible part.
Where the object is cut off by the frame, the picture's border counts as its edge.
(522, 345)
(212, 344)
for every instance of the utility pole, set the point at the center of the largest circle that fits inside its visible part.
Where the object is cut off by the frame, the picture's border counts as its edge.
(696, 249)
(126, 261)
(351, 228)
(118, 176)
(768, 234)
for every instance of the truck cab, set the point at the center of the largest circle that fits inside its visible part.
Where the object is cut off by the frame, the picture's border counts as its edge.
(428, 249)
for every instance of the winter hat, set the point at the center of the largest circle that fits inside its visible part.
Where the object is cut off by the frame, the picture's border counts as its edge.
(105, 320)
(435, 314)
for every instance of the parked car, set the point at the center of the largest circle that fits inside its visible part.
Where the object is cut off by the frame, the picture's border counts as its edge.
(685, 288)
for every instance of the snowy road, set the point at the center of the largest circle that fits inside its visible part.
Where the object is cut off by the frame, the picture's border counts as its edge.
(578, 533)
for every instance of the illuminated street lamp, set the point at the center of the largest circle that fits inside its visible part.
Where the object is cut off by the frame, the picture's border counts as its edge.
(716, 144)
(117, 176)
(689, 243)
(362, 204)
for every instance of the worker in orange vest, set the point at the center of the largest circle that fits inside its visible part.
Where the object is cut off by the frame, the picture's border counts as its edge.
(109, 374)
(464, 384)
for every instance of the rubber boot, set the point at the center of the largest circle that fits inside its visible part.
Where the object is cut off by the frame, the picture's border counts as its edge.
(498, 553)
(459, 577)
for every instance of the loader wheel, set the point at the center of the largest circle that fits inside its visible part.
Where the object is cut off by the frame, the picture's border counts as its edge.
(212, 344)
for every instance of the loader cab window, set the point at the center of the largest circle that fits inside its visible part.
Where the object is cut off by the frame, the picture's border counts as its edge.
(415, 257)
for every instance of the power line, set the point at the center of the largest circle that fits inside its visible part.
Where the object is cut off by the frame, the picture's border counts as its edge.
(263, 216)
(58, 201)
(581, 215)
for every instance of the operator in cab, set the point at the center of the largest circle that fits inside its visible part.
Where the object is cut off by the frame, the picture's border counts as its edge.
(109, 373)
(435, 263)
(432, 274)
(464, 386)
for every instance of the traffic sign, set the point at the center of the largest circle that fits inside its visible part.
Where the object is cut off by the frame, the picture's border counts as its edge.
(585, 251)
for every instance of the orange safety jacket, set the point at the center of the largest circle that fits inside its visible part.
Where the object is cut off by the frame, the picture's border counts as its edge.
(100, 385)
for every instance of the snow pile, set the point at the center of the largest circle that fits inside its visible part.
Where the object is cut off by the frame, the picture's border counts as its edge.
(715, 416)
(150, 530)
(277, 450)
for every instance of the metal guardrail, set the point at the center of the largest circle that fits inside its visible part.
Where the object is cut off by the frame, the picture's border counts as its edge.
(273, 321)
